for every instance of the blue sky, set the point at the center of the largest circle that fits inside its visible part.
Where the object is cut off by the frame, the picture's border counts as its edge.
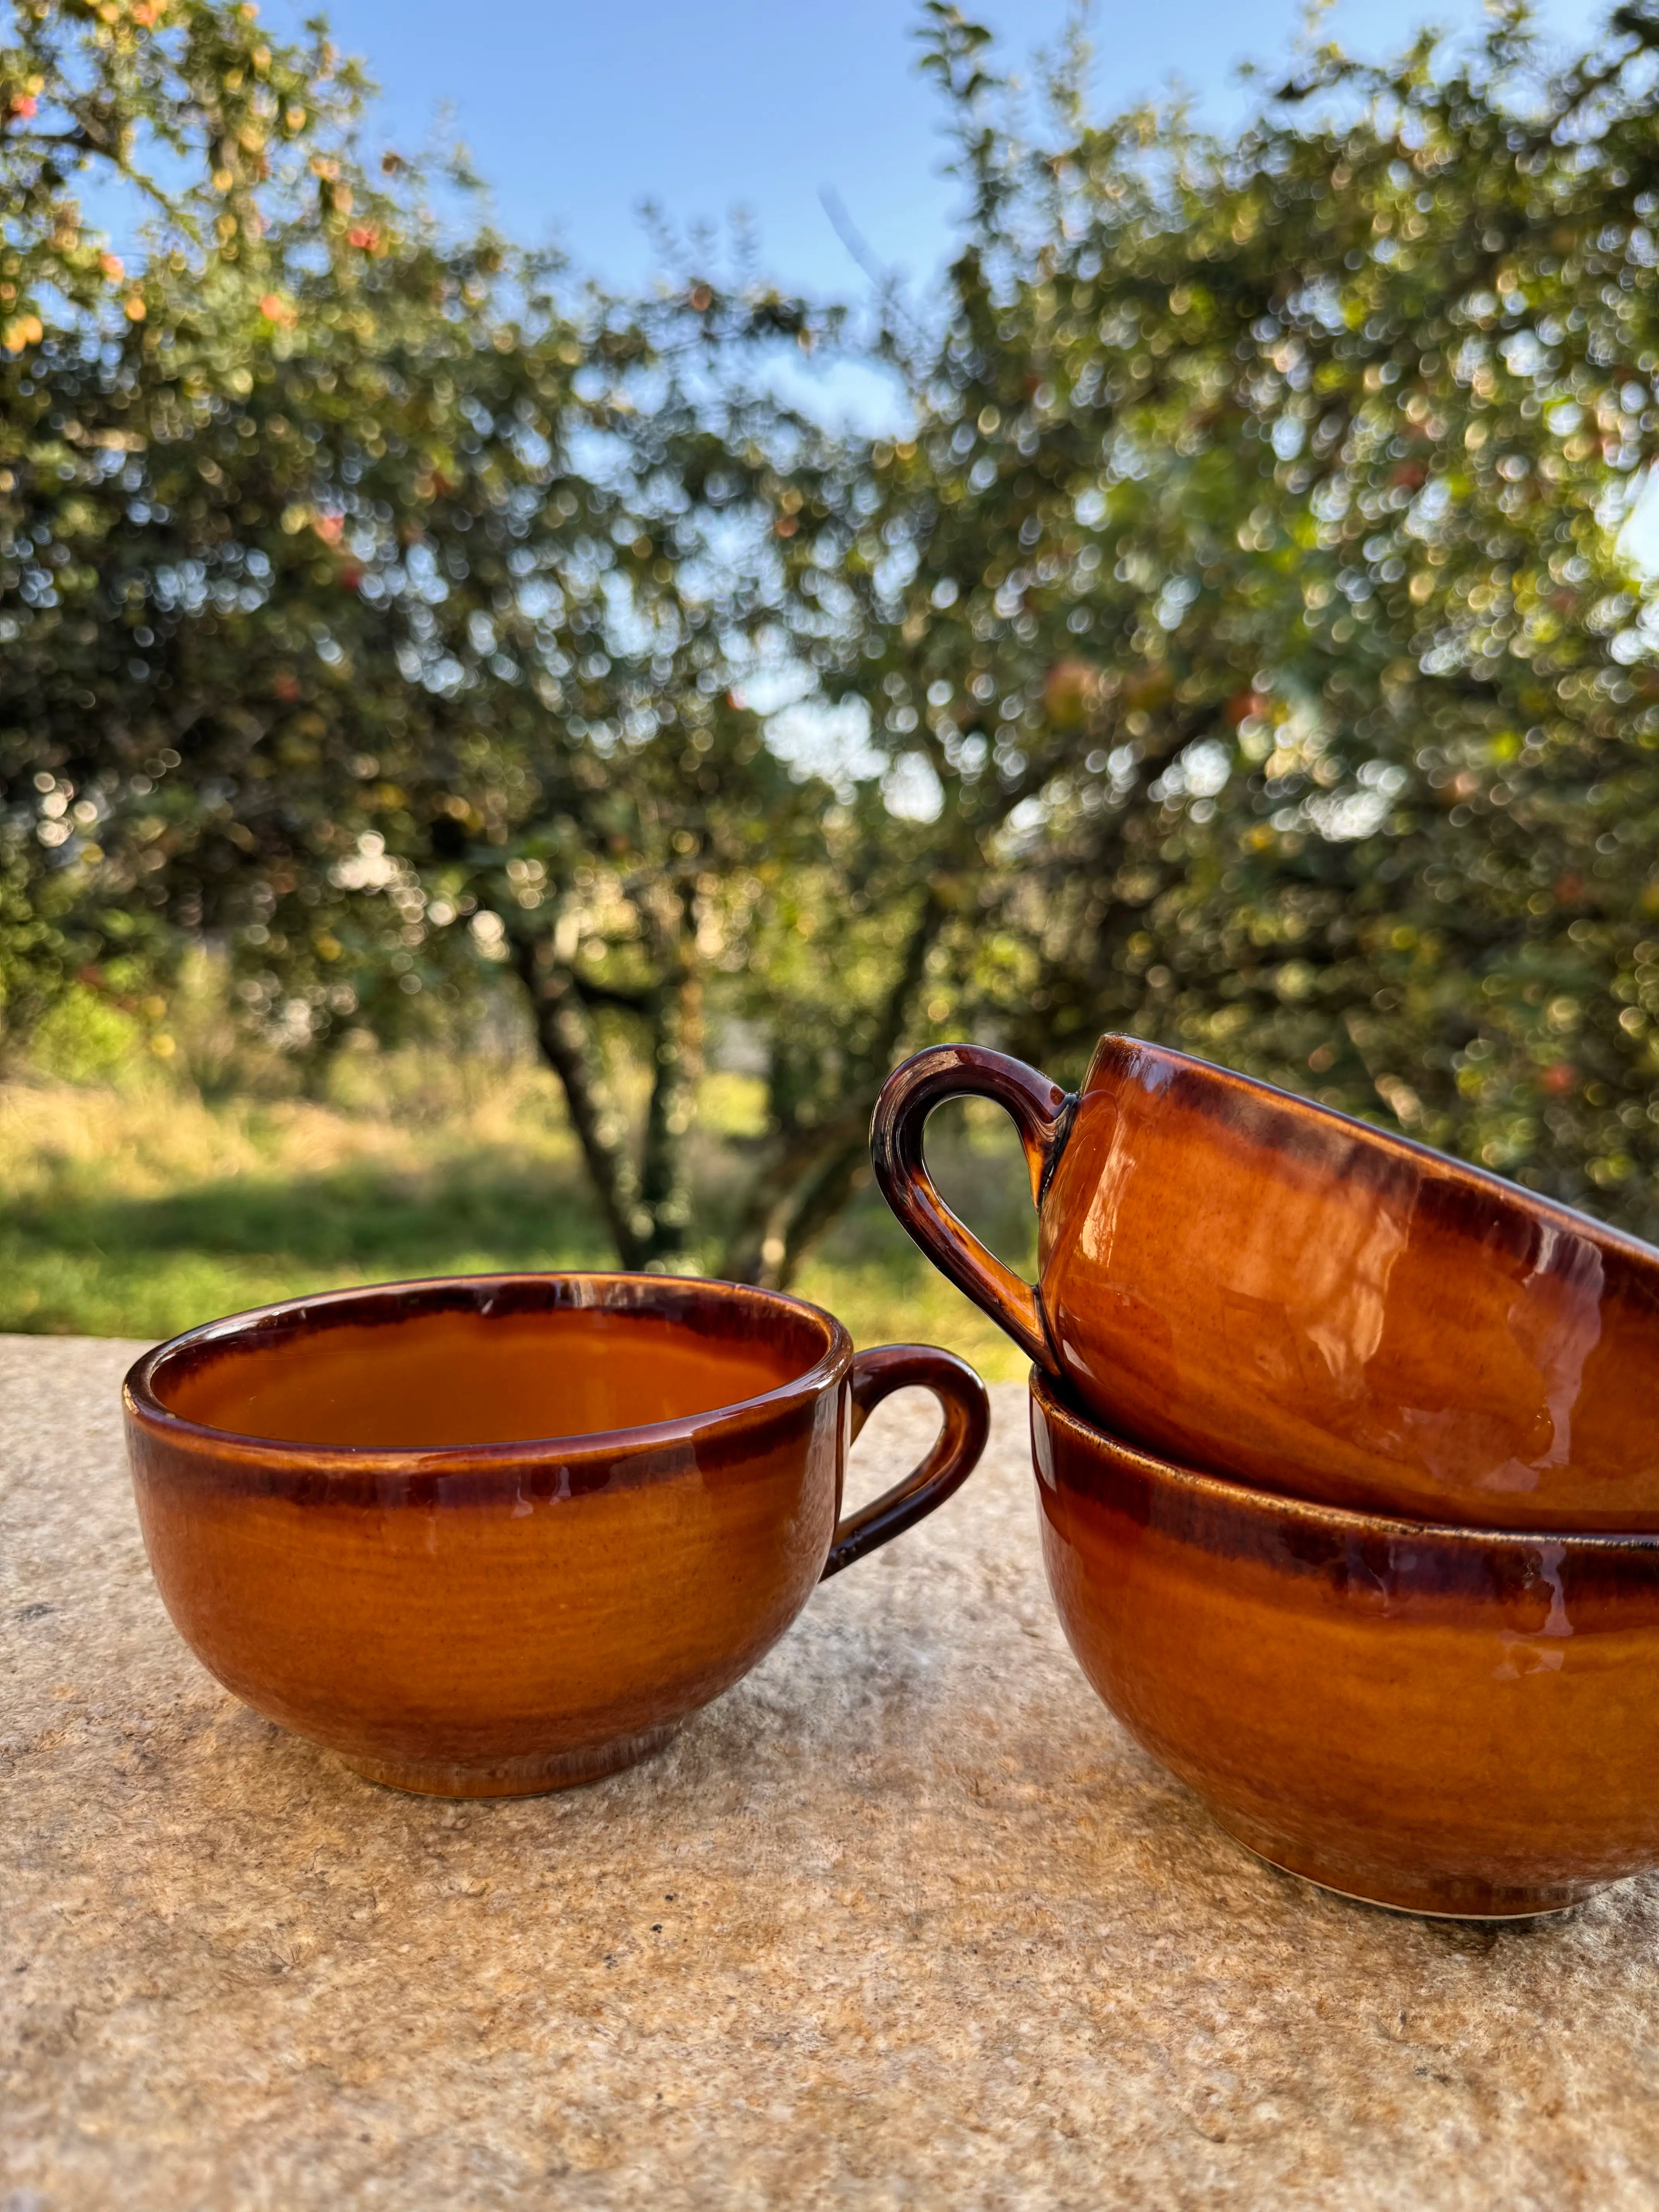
(575, 113)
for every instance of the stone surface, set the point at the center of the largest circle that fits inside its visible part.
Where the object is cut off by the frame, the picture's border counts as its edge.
(905, 1920)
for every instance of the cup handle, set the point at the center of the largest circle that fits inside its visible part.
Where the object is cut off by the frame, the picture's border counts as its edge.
(1042, 1113)
(956, 1453)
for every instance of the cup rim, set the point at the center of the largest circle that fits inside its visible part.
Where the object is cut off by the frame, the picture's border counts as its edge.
(276, 1454)
(1531, 1203)
(1244, 1499)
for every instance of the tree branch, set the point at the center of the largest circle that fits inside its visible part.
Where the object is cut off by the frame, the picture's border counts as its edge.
(606, 995)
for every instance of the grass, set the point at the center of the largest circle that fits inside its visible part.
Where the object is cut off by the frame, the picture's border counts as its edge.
(138, 1208)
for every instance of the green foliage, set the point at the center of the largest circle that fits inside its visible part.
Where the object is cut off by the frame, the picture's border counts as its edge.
(85, 1038)
(354, 609)
(1251, 586)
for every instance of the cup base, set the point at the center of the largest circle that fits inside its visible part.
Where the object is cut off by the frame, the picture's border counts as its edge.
(535, 1775)
(1426, 1897)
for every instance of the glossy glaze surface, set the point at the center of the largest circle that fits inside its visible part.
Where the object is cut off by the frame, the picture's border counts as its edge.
(1442, 1720)
(504, 1533)
(1253, 1284)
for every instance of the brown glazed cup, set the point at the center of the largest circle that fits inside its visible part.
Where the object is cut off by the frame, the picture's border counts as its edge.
(503, 1533)
(1442, 1720)
(1253, 1284)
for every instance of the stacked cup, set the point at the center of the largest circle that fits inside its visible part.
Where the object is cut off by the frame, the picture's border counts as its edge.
(1347, 1463)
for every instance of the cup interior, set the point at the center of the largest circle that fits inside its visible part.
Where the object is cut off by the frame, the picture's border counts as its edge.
(422, 1367)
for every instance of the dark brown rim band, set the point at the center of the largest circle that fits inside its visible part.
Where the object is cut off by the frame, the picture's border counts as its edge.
(1335, 1522)
(242, 1332)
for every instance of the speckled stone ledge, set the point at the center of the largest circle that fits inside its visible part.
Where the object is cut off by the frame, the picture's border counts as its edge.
(906, 1920)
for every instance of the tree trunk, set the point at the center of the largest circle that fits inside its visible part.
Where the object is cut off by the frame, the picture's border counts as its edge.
(566, 1044)
(820, 1197)
(675, 1034)
(646, 1204)
(767, 1246)
(812, 1175)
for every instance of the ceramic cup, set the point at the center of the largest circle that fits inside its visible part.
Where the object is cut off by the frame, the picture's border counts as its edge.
(1443, 1720)
(1253, 1284)
(503, 1533)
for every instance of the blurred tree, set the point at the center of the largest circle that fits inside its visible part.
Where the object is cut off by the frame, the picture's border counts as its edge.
(353, 609)
(1249, 655)
(1252, 590)
(85, 90)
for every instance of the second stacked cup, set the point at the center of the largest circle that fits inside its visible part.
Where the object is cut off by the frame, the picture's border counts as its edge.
(1348, 1477)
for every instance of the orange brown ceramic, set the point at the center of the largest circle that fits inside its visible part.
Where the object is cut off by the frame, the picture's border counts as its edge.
(1443, 1720)
(504, 1533)
(1253, 1283)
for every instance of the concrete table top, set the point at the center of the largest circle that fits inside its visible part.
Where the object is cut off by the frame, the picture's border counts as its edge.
(904, 1920)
